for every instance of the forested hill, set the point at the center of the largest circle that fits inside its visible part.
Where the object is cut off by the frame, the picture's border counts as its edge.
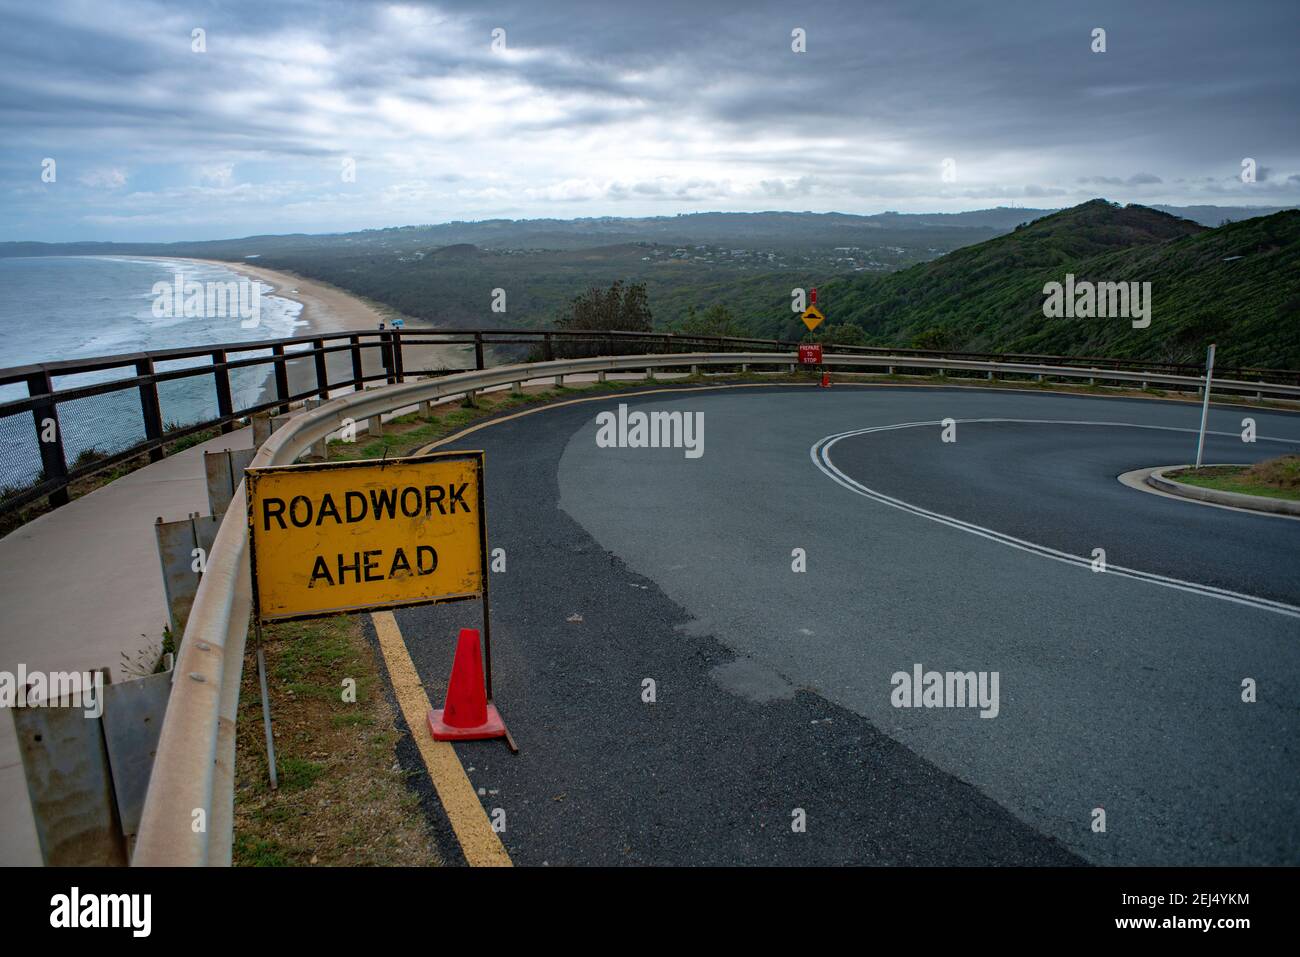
(1237, 285)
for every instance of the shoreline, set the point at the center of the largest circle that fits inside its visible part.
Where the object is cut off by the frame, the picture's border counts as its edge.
(325, 308)
(329, 310)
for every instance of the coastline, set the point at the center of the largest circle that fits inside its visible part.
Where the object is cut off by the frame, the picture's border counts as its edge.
(329, 310)
(325, 308)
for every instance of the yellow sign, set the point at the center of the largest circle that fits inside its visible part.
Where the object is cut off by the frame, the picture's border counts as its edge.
(341, 536)
(812, 318)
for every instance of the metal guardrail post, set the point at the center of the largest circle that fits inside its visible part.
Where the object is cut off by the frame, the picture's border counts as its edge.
(358, 370)
(322, 370)
(49, 436)
(548, 348)
(399, 364)
(386, 354)
(281, 378)
(225, 405)
(478, 350)
(151, 407)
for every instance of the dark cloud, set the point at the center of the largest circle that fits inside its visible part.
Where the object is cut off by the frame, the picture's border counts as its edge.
(667, 105)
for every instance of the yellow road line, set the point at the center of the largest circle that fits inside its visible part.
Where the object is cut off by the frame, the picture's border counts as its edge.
(481, 845)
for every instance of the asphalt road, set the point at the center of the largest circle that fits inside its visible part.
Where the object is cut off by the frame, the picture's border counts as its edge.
(773, 688)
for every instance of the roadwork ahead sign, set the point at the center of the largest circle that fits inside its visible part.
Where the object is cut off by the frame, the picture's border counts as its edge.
(343, 536)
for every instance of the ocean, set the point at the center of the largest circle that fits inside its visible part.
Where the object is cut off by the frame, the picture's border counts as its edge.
(73, 307)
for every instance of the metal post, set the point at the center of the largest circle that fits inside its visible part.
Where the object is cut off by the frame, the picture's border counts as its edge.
(322, 370)
(478, 350)
(281, 378)
(266, 707)
(150, 407)
(358, 373)
(54, 466)
(1205, 404)
(399, 365)
(225, 404)
(386, 351)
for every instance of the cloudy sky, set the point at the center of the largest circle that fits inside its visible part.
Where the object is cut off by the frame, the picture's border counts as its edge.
(324, 116)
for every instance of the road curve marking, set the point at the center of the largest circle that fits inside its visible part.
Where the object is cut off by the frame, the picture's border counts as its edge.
(820, 455)
(481, 845)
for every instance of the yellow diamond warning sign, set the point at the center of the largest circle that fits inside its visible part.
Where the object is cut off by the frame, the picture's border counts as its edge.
(342, 536)
(812, 318)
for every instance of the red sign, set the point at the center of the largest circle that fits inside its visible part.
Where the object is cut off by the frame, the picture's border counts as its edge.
(810, 354)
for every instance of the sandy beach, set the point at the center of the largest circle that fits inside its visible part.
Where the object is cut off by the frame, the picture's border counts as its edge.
(327, 309)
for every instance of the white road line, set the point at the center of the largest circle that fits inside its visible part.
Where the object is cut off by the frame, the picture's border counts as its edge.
(820, 455)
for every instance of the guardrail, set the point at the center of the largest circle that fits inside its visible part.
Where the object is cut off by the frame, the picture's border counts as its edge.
(38, 460)
(194, 768)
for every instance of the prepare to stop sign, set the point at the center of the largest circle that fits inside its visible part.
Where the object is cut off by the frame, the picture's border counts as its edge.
(342, 536)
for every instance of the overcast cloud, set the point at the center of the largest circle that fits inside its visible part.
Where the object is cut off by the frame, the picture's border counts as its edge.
(627, 109)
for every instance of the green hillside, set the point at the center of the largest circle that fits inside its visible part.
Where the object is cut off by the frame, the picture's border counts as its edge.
(1237, 285)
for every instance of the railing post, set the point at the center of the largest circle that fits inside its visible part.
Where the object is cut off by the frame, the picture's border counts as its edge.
(478, 351)
(151, 408)
(53, 464)
(386, 351)
(548, 349)
(281, 378)
(322, 370)
(225, 404)
(399, 365)
(358, 372)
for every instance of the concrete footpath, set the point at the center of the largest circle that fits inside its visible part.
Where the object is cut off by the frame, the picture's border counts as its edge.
(81, 587)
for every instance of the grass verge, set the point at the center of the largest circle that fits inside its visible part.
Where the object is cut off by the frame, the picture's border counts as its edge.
(1274, 478)
(343, 798)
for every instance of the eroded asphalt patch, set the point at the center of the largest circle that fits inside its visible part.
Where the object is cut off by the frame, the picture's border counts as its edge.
(713, 771)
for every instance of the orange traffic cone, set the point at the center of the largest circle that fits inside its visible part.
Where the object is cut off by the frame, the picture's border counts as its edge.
(468, 715)
(826, 380)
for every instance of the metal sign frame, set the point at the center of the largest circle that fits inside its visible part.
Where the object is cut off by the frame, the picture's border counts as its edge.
(476, 457)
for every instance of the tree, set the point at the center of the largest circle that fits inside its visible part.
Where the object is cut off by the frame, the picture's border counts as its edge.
(935, 339)
(619, 308)
(717, 320)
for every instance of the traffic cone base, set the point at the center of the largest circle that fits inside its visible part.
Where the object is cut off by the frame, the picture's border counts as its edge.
(467, 715)
(493, 727)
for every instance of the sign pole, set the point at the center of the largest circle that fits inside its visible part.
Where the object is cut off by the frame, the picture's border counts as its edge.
(1205, 404)
(483, 562)
(487, 611)
(266, 704)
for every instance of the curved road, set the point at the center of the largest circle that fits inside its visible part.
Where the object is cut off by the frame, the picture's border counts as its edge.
(1119, 690)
